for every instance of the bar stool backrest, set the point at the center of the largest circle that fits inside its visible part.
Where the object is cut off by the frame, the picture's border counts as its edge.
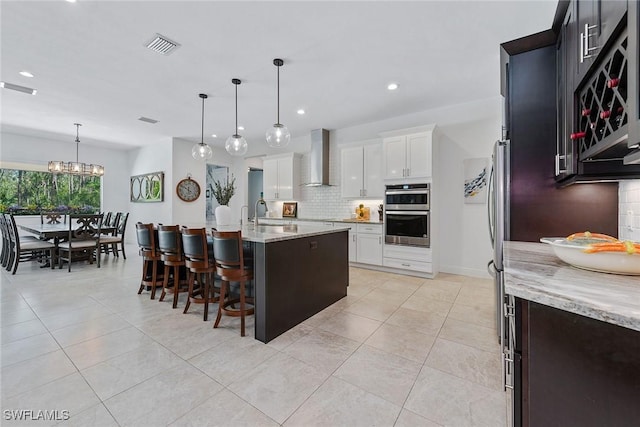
(227, 246)
(146, 239)
(170, 239)
(194, 244)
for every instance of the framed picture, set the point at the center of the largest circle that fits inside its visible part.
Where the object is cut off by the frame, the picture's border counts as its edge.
(475, 180)
(289, 209)
(147, 188)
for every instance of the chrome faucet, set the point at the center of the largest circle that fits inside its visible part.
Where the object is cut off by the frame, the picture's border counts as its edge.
(242, 218)
(260, 201)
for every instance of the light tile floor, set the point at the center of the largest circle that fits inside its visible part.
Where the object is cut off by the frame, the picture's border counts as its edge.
(397, 351)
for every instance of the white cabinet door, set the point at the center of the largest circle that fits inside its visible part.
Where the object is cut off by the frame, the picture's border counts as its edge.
(285, 179)
(369, 248)
(373, 180)
(353, 246)
(394, 157)
(419, 155)
(270, 178)
(352, 172)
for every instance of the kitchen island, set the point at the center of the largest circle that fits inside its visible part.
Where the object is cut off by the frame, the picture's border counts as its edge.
(577, 341)
(299, 270)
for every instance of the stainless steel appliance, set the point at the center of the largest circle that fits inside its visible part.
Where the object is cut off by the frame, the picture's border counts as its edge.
(498, 214)
(407, 216)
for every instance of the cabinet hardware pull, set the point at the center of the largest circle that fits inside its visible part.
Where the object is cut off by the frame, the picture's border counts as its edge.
(406, 265)
(558, 158)
(380, 240)
(408, 172)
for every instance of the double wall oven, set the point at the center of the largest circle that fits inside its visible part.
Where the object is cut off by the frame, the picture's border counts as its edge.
(407, 215)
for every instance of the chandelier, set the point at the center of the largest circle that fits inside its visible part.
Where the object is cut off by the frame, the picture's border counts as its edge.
(76, 168)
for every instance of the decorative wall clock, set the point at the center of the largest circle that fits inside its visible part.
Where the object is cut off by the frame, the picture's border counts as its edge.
(188, 190)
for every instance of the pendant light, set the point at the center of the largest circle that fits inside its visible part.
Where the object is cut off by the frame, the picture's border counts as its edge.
(76, 168)
(278, 136)
(202, 151)
(236, 145)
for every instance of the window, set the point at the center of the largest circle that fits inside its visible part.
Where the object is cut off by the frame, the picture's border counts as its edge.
(28, 192)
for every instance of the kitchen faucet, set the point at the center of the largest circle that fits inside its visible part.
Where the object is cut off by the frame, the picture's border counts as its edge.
(260, 201)
(243, 217)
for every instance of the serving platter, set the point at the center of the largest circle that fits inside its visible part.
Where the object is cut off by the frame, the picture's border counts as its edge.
(572, 252)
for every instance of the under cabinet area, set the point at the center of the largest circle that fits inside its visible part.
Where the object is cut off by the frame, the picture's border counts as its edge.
(361, 171)
(281, 177)
(408, 156)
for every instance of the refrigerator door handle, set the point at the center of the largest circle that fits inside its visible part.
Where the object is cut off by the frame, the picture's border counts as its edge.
(490, 211)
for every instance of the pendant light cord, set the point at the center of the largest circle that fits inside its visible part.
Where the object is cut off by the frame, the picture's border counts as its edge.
(236, 109)
(202, 137)
(278, 121)
(77, 142)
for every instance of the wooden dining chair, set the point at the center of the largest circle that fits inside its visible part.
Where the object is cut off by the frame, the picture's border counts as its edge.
(231, 267)
(110, 242)
(24, 249)
(199, 260)
(53, 218)
(83, 238)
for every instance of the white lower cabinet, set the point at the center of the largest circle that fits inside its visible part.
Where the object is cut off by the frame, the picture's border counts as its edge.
(369, 244)
(408, 258)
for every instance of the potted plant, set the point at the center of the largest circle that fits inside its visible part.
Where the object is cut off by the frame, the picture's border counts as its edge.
(223, 192)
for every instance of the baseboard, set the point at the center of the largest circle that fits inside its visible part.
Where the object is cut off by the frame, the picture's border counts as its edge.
(464, 271)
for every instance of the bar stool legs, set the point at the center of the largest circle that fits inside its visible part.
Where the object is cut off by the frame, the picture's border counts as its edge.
(203, 294)
(242, 299)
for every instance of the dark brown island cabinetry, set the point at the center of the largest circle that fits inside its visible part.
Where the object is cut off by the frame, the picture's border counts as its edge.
(574, 370)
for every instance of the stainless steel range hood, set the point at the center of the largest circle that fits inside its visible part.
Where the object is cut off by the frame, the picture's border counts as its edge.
(319, 158)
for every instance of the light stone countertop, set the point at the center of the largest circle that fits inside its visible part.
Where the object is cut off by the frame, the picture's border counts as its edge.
(533, 272)
(347, 220)
(274, 233)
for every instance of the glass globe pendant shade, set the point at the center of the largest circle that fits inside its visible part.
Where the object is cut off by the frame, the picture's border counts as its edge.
(201, 151)
(278, 136)
(236, 145)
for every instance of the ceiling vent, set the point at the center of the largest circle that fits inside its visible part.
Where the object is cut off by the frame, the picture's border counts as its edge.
(148, 120)
(162, 45)
(19, 88)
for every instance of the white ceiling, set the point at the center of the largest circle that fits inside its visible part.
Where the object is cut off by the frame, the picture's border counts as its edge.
(91, 66)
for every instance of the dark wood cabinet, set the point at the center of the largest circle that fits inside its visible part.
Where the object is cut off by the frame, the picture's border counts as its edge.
(575, 371)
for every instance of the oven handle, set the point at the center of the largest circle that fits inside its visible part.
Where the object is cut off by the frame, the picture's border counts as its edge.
(407, 212)
(396, 192)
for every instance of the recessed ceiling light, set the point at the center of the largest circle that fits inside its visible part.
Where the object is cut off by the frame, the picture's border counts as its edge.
(71, 1)
(301, 111)
(213, 135)
(392, 86)
(148, 120)
(25, 73)
(19, 88)
(240, 127)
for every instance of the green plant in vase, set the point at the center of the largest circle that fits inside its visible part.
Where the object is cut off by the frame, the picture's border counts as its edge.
(223, 192)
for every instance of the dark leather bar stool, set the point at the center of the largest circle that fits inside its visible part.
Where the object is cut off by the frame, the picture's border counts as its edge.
(172, 255)
(231, 267)
(199, 260)
(150, 254)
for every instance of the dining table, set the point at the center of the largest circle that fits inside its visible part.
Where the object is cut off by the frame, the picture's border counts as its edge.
(55, 232)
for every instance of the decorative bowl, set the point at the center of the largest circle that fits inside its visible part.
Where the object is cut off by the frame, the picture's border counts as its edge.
(572, 253)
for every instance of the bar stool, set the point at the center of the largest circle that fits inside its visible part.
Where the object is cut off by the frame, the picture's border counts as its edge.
(146, 236)
(172, 255)
(231, 267)
(199, 260)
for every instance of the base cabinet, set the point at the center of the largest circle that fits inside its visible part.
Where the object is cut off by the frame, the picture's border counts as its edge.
(369, 244)
(408, 258)
(575, 371)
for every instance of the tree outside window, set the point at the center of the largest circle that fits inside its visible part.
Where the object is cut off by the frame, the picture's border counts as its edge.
(25, 192)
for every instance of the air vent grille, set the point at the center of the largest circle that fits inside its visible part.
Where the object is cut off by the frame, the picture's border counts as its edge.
(162, 45)
(19, 88)
(148, 120)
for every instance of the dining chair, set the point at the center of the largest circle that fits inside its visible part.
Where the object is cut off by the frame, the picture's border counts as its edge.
(20, 250)
(83, 238)
(151, 263)
(107, 219)
(172, 255)
(199, 260)
(53, 218)
(109, 243)
(231, 267)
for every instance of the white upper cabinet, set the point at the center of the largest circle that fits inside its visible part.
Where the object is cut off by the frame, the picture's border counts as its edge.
(281, 177)
(361, 171)
(408, 156)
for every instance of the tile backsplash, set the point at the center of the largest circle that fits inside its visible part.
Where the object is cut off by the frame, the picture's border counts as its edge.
(629, 210)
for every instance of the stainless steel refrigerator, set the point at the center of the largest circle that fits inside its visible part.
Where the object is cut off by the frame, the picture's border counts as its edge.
(498, 214)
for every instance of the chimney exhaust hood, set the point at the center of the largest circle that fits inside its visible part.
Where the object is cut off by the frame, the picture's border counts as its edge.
(319, 159)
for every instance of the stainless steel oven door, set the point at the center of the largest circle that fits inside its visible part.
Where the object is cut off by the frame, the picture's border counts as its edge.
(410, 228)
